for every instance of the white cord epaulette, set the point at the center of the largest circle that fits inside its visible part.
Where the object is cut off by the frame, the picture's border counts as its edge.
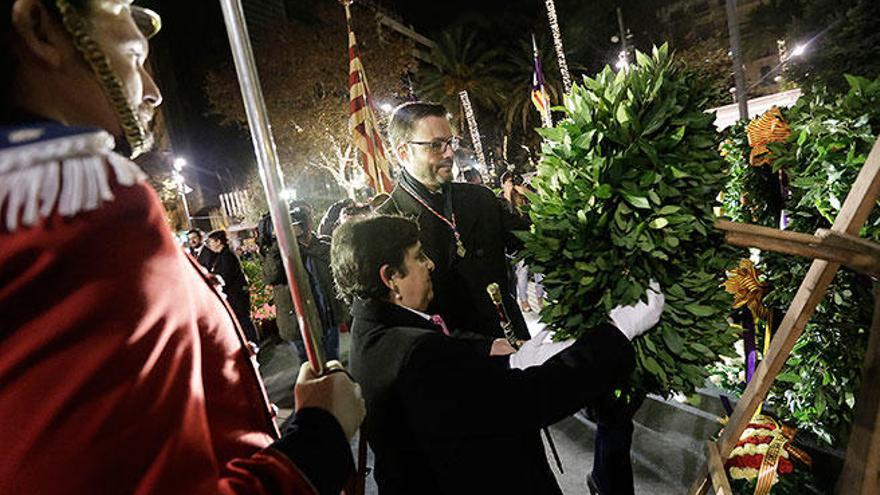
(66, 174)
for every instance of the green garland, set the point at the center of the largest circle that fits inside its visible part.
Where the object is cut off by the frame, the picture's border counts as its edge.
(752, 194)
(831, 138)
(625, 192)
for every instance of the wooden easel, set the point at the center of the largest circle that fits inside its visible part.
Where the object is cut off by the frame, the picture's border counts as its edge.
(830, 249)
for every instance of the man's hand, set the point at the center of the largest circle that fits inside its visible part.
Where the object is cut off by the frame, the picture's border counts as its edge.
(507, 189)
(501, 347)
(638, 318)
(334, 392)
(537, 350)
(522, 190)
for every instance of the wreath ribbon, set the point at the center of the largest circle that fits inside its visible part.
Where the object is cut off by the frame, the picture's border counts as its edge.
(767, 472)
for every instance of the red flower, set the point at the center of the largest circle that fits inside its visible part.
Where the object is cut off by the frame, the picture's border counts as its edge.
(759, 426)
(785, 466)
(746, 461)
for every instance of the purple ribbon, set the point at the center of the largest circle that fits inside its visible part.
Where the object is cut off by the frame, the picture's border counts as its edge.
(751, 350)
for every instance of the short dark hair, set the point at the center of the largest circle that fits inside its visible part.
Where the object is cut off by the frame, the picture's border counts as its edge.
(356, 210)
(508, 175)
(361, 246)
(471, 174)
(331, 217)
(301, 212)
(405, 117)
(219, 235)
(196, 231)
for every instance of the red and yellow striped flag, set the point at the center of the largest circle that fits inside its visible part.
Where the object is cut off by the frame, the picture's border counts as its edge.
(364, 131)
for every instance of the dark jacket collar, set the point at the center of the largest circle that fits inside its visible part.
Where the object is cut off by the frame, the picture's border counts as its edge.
(435, 199)
(387, 314)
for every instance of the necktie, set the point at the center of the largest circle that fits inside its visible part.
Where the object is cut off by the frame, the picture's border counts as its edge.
(438, 320)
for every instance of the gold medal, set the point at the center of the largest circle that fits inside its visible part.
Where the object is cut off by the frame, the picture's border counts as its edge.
(459, 247)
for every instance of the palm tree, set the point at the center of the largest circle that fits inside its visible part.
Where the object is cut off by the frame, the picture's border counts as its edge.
(459, 63)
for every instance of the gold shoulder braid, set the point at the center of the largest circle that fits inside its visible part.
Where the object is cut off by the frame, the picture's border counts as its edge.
(136, 135)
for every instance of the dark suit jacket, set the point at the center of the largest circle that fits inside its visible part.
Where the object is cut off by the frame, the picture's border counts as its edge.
(445, 418)
(204, 256)
(486, 227)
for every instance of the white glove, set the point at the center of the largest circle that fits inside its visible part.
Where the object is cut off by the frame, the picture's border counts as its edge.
(537, 350)
(638, 318)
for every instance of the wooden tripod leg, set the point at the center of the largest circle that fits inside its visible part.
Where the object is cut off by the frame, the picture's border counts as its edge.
(861, 470)
(717, 471)
(855, 211)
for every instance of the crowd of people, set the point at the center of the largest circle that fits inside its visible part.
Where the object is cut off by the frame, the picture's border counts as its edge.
(216, 255)
(126, 365)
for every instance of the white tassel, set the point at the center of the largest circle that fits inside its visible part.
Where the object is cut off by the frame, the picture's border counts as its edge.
(49, 188)
(126, 171)
(63, 177)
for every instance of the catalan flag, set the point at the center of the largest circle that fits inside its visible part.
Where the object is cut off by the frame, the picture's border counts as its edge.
(539, 90)
(362, 121)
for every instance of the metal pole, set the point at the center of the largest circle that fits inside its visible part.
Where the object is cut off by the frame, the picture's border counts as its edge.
(623, 44)
(269, 167)
(733, 28)
(189, 223)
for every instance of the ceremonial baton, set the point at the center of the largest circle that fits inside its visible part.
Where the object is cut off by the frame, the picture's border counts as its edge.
(507, 327)
(270, 176)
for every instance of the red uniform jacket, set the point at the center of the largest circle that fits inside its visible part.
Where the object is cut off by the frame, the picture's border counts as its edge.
(121, 369)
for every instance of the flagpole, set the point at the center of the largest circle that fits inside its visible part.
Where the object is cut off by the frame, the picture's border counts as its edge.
(557, 42)
(270, 176)
(546, 117)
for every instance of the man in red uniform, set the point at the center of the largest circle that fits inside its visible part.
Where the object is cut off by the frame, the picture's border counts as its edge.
(121, 369)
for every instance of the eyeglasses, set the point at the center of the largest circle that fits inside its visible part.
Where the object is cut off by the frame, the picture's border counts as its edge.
(438, 146)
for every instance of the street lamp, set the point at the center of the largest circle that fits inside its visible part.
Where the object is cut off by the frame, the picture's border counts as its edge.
(622, 61)
(784, 58)
(288, 194)
(798, 51)
(182, 189)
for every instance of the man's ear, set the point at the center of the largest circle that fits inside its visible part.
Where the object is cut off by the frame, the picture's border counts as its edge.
(402, 152)
(41, 35)
(386, 273)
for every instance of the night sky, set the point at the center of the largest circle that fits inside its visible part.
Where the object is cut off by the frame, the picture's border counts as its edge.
(431, 17)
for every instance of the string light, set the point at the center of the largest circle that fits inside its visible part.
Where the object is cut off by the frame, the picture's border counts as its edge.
(622, 61)
(472, 124)
(557, 42)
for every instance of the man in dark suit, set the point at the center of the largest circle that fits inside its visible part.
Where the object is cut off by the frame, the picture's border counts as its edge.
(464, 228)
(195, 238)
(444, 416)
